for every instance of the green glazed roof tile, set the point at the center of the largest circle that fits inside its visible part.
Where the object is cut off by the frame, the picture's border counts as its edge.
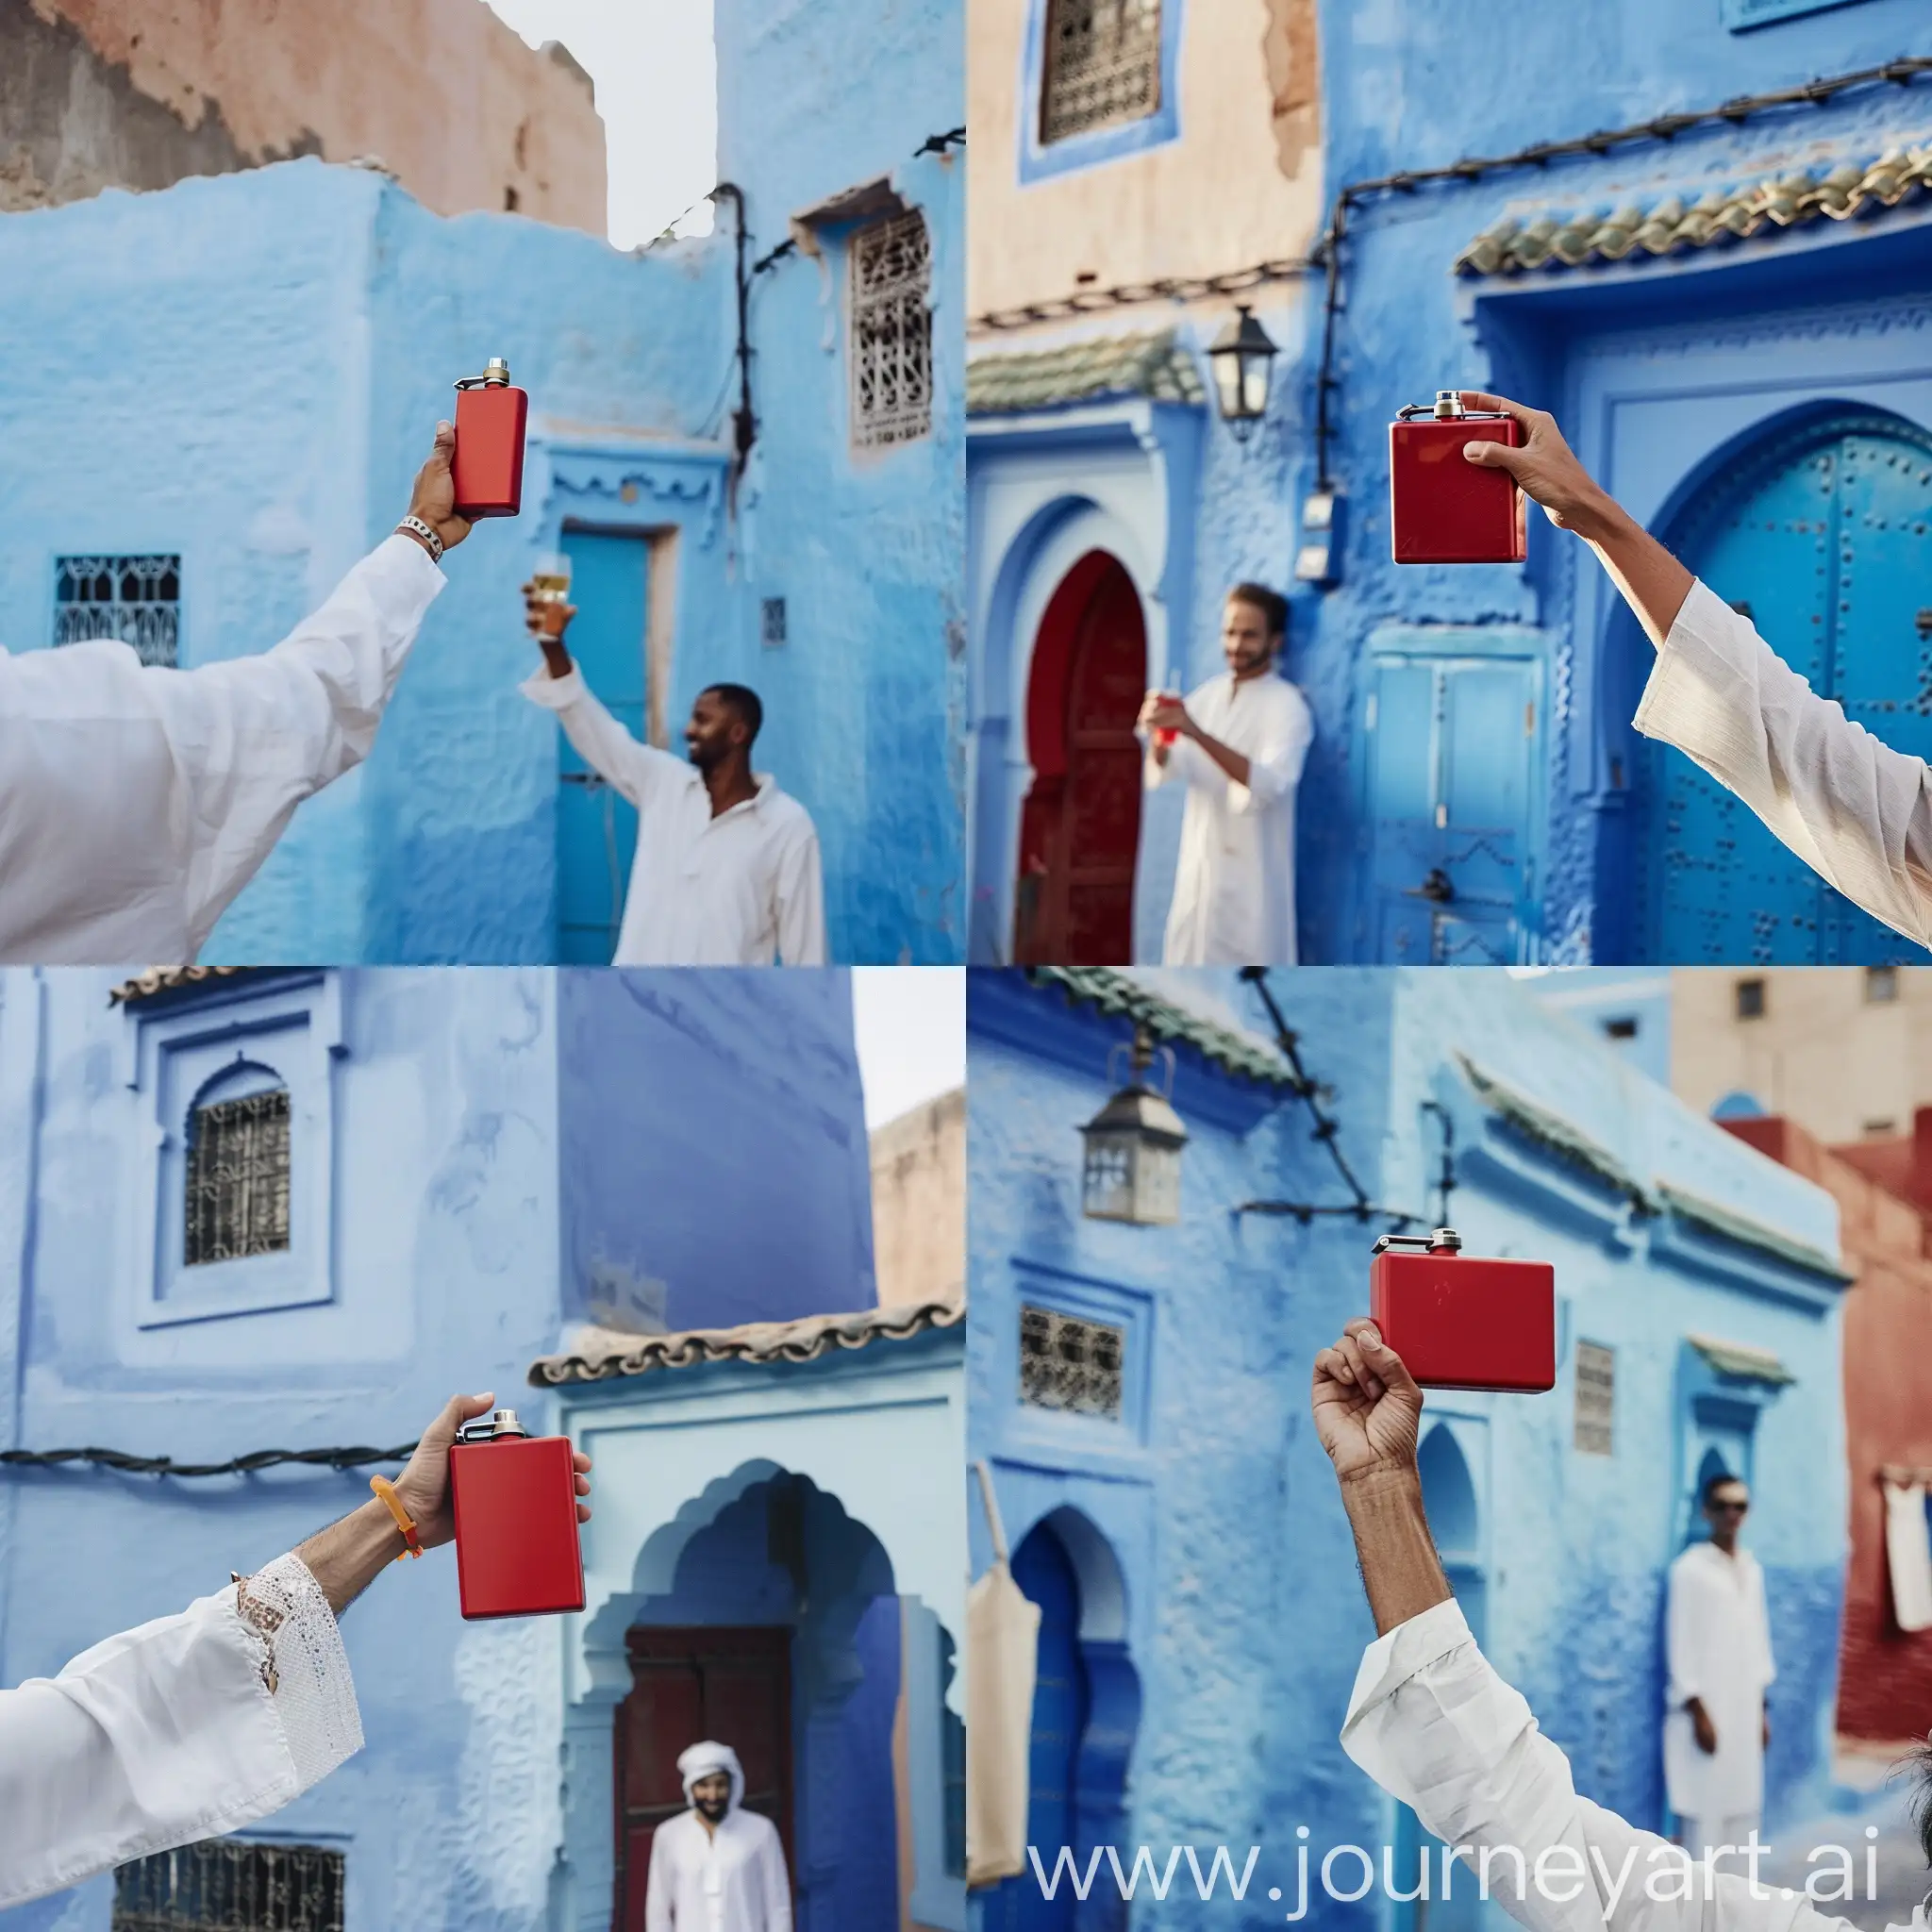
(1739, 1359)
(1726, 1222)
(1558, 238)
(1117, 996)
(1155, 366)
(1552, 1131)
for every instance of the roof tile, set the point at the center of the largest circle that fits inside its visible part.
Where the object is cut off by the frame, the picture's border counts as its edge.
(1152, 365)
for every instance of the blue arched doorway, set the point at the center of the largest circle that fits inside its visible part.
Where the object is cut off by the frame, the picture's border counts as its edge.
(1086, 1715)
(1820, 528)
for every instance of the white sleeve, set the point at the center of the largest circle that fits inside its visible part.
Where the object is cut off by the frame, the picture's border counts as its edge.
(776, 1884)
(1436, 1727)
(617, 757)
(185, 1728)
(1186, 764)
(1858, 813)
(1275, 768)
(660, 1885)
(802, 899)
(1684, 1658)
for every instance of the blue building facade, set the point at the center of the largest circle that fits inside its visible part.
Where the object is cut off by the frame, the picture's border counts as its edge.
(1179, 1524)
(496, 1179)
(227, 387)
(1726, 319)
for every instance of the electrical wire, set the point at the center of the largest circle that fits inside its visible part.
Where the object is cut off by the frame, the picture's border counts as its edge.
(123, 1464)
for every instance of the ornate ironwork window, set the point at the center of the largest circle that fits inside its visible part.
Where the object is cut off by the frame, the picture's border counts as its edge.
(238, 1178)
(1103, 65)
(1066, 1363)
(891, 331)
(228, 1884)
(136, 599)
(1597, 1394)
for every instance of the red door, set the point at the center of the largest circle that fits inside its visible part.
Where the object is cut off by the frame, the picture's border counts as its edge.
(1080, 828)
(731, 1686)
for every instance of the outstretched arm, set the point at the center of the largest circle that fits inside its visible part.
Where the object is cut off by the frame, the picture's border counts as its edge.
(1857, 812)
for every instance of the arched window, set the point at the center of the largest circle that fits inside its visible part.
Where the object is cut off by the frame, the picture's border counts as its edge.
(236, 1176)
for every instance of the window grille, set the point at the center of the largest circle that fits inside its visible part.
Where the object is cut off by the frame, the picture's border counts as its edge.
(1750, 998)
(235, 1886)
(1597, 1392)
(238, 1178)
(1881, 985)
(136, 599)
(1103, 66)
(891, 331)
(1069, 1364)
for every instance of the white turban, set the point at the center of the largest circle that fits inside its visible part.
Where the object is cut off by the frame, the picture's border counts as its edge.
(700, 1760)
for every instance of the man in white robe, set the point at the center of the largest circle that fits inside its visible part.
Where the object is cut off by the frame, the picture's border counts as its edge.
(1238, 743)
(717, 1867)
(136, 801)
(1858, 813)
(1717, 1640)
(726, 871)
(1439, 1730)
(199, 1724)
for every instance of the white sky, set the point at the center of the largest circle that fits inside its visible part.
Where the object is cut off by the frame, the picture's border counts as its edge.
(910, 1021)
(657, 91)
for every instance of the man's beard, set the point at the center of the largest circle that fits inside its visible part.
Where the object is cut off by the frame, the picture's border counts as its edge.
(714, 1808)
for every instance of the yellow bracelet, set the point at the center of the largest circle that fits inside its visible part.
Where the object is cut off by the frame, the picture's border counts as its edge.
(387, 1490)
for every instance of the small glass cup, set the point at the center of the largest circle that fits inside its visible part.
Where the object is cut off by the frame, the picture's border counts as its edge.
(550, 580)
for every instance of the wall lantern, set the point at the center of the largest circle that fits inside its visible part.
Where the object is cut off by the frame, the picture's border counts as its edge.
(1242, 357)
(1132, 1170)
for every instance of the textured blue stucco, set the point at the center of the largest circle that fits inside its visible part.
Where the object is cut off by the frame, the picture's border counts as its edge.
(508, 1146)
(1211, 1510)
(1654, 367)
(246, 369)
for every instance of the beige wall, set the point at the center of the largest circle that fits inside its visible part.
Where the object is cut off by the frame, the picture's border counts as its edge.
(919, 1203)
(1242, 185)
(448, 97)
(1822, 1054)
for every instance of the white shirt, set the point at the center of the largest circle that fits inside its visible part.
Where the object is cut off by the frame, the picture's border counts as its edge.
(1436, 1727)
(137, 800)
(1234, 886)
(1858, 813)
(170, 1733)
(742, 889)
(1716, 1646)
(730, 1880)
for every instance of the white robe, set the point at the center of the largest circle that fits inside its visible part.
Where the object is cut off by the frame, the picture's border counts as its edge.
(1858, 813)
(170, 1733)
(1436, 1727)
(137, 800)
(744, 887)
(730, 1880)
(1234, 886)
(1716, 1641)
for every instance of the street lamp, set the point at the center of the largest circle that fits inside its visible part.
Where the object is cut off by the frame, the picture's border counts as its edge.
(1241, 357)
(1132, 1170)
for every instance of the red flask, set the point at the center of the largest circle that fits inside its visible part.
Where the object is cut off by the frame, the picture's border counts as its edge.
(1460, 1321)
(488, 468)
(516, 1501)
(1443, 509)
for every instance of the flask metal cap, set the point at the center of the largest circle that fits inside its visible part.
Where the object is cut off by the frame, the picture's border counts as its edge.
(499, 1421)
(1448, 404)
(496, 372)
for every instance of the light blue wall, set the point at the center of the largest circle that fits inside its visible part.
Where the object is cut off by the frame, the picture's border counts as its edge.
(246, 369)
(475, 1124)
(1215, 1495)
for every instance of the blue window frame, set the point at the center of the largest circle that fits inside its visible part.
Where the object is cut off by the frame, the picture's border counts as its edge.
(1741, 14)
(1042, 159)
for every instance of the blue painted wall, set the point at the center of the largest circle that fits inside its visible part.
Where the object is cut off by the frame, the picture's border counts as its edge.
(479, 1175)
(246, 370)
(1206, 1520)
(1660, 370)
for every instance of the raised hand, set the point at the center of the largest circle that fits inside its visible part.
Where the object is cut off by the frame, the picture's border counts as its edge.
(1368, 1408)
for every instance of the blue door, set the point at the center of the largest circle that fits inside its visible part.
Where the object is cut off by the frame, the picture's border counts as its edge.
(1060, 1703)
(1452, 755)
(597, 831)
(1823, 540)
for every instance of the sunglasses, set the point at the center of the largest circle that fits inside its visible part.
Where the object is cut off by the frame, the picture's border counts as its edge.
(1730, 1509)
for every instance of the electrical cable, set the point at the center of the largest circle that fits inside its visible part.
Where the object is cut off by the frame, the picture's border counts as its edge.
(123, 1464)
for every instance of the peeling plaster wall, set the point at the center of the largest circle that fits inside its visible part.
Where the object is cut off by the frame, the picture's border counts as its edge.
(116, 93)
(1225, 1522)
